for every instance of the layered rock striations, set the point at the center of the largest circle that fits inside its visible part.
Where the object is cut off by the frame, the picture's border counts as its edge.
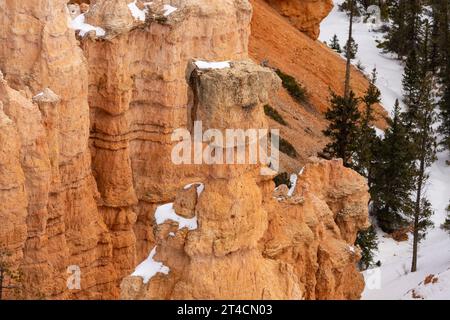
(85, 161)
(63, 225)
(248, 244)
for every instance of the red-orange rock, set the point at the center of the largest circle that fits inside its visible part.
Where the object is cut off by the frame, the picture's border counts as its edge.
(305, 15)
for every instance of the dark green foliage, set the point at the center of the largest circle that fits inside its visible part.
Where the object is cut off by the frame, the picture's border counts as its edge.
(353, 49)
(349, 4)
(274, 114)
(334, 44)
(421, 119)
(288, 148)
(282, 178)
(444, 105)
(292, 86)
(360, 7)
(343, 130)
(367, 242)
(367, 137)
(393, 176)
(403, 33)
(446, 224)
(441, 42)
(424, 223)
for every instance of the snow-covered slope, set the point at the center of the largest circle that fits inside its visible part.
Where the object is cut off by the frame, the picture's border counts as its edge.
(393, 279)
(389, 70)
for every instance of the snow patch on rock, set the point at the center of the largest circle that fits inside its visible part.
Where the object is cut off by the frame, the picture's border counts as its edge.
(168, 10)
(167, 213)
(205, 65)
(149, 268)
(137, 13)
(78, 24)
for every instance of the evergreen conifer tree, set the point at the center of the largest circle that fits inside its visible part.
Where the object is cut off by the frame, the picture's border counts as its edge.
(421, 118)
(352, 51)
(367, 242)
(343, 130)
(446, 224)
(401, 37)
(393, 176)
(367, 138)
(334, 44)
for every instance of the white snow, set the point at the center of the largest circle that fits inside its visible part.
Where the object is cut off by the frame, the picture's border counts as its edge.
(137, 13)
(293, 180)
(79, 25)
(301, 171)
(40, 94)
(380, 133)
(393, 280)
(166, 212)
(435, 290)
(390, 71)
(200, 187)
(168, 9)
(212, 65)
(149, 268)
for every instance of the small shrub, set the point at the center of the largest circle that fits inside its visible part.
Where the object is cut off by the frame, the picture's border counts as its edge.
(272, 113)
(282, 178)
(288, 148)
(360, 66)
(334, 44)
(292, 86)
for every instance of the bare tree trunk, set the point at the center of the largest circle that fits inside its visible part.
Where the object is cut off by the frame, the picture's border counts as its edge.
(348, 53)
(417, 207)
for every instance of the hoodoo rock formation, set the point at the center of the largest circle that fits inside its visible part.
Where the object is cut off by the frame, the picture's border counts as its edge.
(86, 177)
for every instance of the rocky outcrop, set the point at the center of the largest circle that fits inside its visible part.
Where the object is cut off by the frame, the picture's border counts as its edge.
(51, 165)
(305, 15)
(139, 95)
(316, 233)
(300, 247)
(85, 159)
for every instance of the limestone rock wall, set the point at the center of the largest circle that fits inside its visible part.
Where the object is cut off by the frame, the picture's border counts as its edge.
(139, 95)
(85, 128)
(63, 225)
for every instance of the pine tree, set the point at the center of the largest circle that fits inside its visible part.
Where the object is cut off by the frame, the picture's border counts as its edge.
(334, 44)
(352, 51)
(401, 37)
(421, 117)
(411, 85)
(444, 104)
(367, 242)
(343, 130)
(367, 138)
(442, 43)
(446, 225)
(393, 176)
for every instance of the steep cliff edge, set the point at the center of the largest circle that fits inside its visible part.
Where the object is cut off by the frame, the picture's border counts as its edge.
(85, 159)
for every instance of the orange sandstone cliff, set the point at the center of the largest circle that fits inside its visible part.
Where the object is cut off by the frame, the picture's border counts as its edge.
(85, 146)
